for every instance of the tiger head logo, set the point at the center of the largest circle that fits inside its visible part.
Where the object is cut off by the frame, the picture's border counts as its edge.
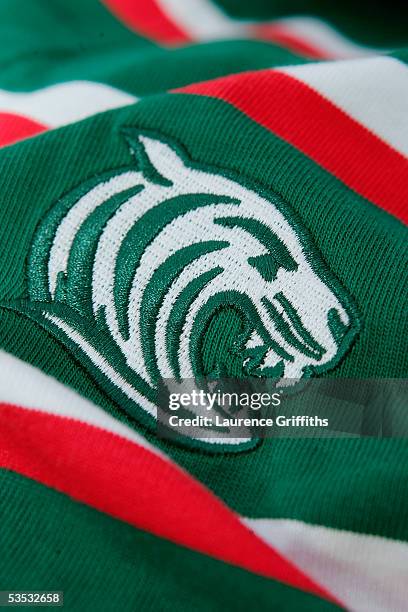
(168, 270)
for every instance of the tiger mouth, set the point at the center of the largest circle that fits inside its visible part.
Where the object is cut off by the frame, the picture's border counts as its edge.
(292, 331)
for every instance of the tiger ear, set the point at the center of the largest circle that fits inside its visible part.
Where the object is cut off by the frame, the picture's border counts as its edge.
(157, 160)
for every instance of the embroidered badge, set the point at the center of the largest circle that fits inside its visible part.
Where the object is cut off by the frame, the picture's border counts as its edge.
(168, 270)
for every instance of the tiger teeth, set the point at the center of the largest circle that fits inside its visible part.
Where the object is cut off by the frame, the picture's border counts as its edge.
(271, 360)
(254, 340)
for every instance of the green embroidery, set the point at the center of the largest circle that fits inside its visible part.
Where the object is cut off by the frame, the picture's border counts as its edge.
(79, 270)
(234, 281)
(278, 255)
(156, 291)
(297, 323)
(143, 162)
(37, 276)
(250, 322)
(288, 335)
(337, 328)
(142, 234)
(179, 312)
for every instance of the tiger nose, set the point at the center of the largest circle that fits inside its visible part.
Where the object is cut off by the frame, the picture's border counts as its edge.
(336, 325)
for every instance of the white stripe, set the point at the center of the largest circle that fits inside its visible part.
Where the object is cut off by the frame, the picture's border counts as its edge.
(367, 573)
(373, 91)
(24, 385)
(203, 20)
(324, 37)
(65, 103)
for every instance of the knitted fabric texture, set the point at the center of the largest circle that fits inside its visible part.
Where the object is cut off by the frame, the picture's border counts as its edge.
(198, 189)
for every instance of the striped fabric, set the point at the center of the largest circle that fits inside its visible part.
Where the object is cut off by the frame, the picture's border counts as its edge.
(318, 117)
(356, 123)
(170, 22)
(334, 562)
(25, 114)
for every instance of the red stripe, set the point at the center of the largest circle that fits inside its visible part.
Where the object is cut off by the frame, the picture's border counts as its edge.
(150, 20)
(147, 18)
(283, 37)
(135, 485)
(17, 127)
(314, 125)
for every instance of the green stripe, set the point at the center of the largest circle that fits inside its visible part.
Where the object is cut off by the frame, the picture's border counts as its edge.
(46, 41)
(50, 542)
(81, 39)
(359, 485)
